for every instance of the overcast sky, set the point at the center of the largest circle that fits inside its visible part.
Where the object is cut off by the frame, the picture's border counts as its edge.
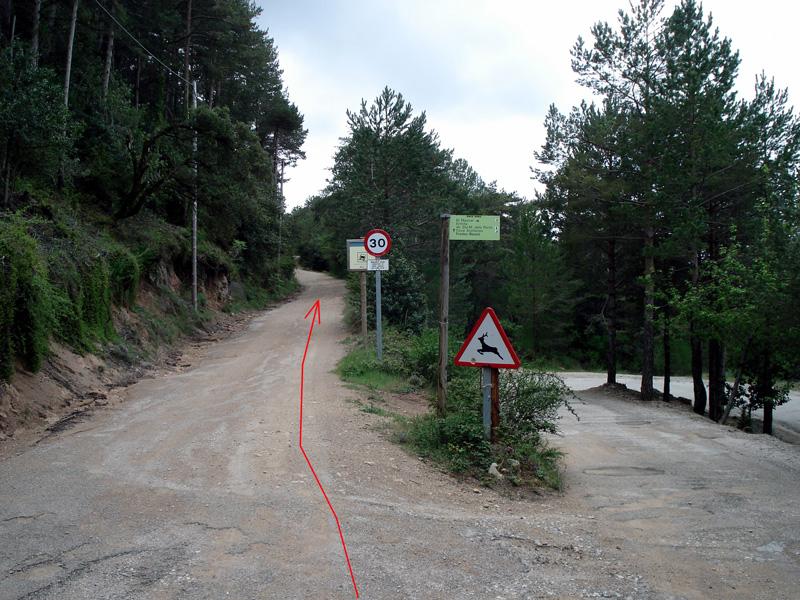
(483, 71)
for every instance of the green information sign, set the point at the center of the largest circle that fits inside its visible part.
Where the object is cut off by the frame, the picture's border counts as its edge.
(474, 227)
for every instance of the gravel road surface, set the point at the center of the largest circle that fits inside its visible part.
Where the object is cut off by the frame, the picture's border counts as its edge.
(194, 487)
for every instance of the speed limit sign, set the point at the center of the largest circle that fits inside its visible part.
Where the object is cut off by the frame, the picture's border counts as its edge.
(377, 242)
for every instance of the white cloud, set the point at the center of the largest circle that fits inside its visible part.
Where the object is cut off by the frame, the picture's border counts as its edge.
(484, 71)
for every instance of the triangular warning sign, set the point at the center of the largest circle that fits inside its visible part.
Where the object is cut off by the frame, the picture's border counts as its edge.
(487, 345)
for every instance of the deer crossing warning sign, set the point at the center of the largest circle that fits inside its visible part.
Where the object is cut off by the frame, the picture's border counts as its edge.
(487, 345)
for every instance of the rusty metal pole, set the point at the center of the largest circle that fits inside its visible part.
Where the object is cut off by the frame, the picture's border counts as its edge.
(495, 376)
(486, 388)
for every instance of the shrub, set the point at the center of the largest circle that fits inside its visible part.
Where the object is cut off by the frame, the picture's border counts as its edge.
(25, 299)
(456, 439)
(124, 275)
(424, 355)
(403, 305)
(531, 401)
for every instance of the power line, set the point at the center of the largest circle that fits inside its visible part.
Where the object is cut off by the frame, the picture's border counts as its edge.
(142, 46)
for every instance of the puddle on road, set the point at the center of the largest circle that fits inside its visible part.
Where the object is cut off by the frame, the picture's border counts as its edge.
(623, 471)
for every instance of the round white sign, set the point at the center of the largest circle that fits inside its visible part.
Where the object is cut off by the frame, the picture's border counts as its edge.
(377, 242)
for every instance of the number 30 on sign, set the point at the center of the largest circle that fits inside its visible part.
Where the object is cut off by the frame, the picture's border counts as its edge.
(377, 242)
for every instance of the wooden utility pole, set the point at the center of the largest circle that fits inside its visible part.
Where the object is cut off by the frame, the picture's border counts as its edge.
(280, 216)
(444, 309)
(194, 205)
(363, 280)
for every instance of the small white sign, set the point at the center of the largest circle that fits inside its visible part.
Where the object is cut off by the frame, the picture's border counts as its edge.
(380, 264)
(356, 255)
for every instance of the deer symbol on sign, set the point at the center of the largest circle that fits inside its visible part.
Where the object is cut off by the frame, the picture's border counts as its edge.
(487, 348)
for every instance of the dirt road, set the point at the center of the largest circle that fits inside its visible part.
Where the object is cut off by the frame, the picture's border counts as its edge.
(195, 488)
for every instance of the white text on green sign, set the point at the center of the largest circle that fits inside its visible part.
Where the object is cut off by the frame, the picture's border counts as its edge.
(474, 227)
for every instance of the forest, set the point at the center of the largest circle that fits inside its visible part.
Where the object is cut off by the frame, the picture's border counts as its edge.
(665, 239)
(116, 117)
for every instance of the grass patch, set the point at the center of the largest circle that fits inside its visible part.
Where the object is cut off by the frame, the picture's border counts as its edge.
(375, 410)
(361, 368)
(252, 296)
(530, 405)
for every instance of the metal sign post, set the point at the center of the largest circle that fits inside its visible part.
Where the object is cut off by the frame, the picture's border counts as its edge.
(488, 347)
(455, 227)
(486, 387)
(378, 318)
(357, 261)
(378, 243)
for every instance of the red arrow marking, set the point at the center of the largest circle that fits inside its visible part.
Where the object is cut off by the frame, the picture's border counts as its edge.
(316, 315)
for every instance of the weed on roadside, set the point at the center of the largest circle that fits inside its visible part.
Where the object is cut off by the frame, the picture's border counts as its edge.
(530, 407)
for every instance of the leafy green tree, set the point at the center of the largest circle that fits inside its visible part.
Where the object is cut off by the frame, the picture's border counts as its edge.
(35, 127)
(540, 288)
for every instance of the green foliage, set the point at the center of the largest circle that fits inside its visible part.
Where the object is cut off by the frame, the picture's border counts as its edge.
(403, 301)
(360, 367)
(455, 440)
(531, 402)
(540, 286)
(25, 299)
(256, 297)
(36, 130)
(124, 275)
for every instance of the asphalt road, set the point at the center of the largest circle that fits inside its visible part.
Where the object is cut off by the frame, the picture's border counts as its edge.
(194, 487)
(786, 418)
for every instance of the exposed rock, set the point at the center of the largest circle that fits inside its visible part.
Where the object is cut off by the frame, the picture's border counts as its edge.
(494, 472)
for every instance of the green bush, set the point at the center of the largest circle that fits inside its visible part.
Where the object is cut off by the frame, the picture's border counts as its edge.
(25, 299)
(124, 275)
(424, 355)
(456, 439)
(286, 267)
(531, 401)
(403, 306)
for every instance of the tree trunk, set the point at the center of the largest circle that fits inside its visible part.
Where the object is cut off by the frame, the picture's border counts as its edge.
(70, 43)
(187, 74)
(7, 174)
(667, 395)
(765, 389)
(109, 54)
(647, 326)
(138, 80)
(768, 417)
(736, 383)
(275, 148)
(697, 371)
(699, 386)
(716, 380)
(611, 314)
(37, 7)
